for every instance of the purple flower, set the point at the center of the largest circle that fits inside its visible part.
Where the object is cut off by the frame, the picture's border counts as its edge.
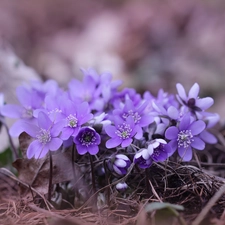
(159, 150)
(29, 100)
(122, 133)
(119, 164)
(143, 158)
(122, 186)
(87, 140)
(185, 137)
(45, 134)
(191, 100)
(141, 119)
(210, 119)
(74, 117)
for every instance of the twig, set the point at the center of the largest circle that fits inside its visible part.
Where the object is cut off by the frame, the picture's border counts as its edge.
(209, 205)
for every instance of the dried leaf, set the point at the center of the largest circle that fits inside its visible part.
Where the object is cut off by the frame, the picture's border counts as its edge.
(35, 172)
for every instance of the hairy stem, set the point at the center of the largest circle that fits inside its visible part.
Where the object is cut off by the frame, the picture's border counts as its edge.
(50, 177)
(92, 173)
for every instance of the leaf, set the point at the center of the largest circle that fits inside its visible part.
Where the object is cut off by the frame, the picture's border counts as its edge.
(35, 172)
(165, 213)
(163, 205)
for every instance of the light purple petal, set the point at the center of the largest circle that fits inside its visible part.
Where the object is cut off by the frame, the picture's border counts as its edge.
(12, 111)
(173, 145)
(54, 144)
(197, 127)
(112, 143)
(93, 150)
(81, 149)
(185, 122)
(44, 151)
(204, 103)
(57, 128)
(120, 163)
(44, 121)
(181, 91)
(208, 137)
(24, 96)
(194, 91)
(173, 113)
(21, 126)
(171, 133)
(126, 142)
(66, 133)
(145, 120)
(139, 133)
(33, 148)
(110, 130)
(185, 153)
(198, 143)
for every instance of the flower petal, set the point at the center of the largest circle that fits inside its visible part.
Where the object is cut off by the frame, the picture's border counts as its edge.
(33, 149)
(112, 143)
(194, 91)
(185, 153)
(54, 144)
(81, 149)
(197, 127)
(21, 126)
(12, 111)
(181, 91)
(93, 150)
(208, 137)
(204, 103)
(44, 121)
(171, 133)
(198, 143)
(185, 122)
(173, 112)
(126, 142)
(110, 130)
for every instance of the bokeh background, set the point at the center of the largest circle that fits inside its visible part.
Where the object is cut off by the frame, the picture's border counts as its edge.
(148, 44)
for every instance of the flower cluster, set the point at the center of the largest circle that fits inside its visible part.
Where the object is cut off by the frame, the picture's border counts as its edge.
(97, 117)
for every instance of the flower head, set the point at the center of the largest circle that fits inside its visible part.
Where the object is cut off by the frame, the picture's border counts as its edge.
(186, 136)
(87, 140)
(192, 101)
(159, 150)
(122, 133)
(45, 135)
(119, 164)
(143, 158)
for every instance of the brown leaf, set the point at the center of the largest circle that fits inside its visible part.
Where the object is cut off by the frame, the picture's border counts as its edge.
(35, 172)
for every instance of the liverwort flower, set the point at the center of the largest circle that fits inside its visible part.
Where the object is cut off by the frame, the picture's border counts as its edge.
(122, 186)
(137, 112)
(122, 133)
(119, 164)
(29, 100)
(159, 150)
(186, 136)
(192, 101)
(143, 158)
(45, 136)
(74, 117)
(87, 140)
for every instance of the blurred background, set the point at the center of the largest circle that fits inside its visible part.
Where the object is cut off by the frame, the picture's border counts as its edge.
(147, 44)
